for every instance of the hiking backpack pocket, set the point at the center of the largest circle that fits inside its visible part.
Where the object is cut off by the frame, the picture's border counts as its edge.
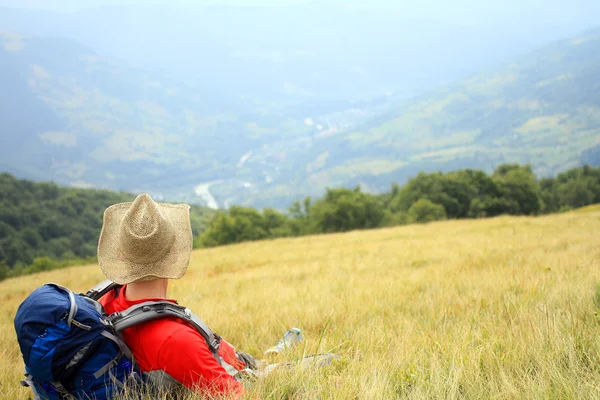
(69, 348)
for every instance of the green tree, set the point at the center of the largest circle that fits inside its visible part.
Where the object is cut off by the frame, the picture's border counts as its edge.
(343, 210)
(299, 214)
(240, 224)
(4, 270)
(42, 264)
(424, 210)
(452, 191)
(549, 198)
(577, 187)
(395, 219)
(518, 186)
(31, 237)
(491, 207)
(16, 250)
(276, 224)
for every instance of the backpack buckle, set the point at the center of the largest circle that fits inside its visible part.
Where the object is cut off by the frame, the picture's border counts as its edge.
(113, 316)
(160, 308)
(217, 341)
(105, 321)
(157, 308)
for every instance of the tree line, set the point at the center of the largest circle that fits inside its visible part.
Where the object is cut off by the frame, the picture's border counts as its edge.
(512, 189)
(44, 226)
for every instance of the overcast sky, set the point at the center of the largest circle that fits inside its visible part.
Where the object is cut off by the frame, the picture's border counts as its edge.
(76, 4)
(457, 11)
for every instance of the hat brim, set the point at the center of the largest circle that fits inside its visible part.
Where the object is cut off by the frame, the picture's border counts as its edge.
(121, 270)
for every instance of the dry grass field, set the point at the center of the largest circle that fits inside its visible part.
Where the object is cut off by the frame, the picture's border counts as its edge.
(504, 308)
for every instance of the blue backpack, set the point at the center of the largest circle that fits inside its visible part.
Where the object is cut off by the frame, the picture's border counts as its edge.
(73, 350)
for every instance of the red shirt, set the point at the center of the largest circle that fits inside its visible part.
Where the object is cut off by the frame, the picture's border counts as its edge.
(173, 346)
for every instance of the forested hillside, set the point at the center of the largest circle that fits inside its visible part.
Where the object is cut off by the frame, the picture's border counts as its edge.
(46, 220)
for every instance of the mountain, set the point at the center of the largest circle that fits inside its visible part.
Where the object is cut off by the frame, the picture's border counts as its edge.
(542, 108)
(74, 117)
(78, 118)
(311, 57)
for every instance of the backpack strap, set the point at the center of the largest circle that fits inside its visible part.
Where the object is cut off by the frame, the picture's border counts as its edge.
(153, 310)
(101, 289)
(62, 391)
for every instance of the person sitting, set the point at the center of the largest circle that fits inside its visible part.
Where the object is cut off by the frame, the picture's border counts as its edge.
(142, 245)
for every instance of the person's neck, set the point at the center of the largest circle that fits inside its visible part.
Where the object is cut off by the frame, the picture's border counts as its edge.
(155, 289)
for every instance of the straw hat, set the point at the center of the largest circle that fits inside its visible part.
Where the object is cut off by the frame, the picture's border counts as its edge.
(145, 240)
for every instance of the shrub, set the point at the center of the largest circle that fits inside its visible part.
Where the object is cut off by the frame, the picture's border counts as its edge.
(426, 211)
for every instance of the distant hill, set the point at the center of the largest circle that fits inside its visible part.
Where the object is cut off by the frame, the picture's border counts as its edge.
(79, 119)
(71, 116)
(43, 219)
(542, 108)
(307, 57)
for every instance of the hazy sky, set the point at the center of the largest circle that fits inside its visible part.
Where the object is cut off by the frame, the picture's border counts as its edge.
(457, 11)
(75, 4)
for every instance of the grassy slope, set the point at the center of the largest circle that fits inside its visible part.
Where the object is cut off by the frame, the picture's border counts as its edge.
(498, 308)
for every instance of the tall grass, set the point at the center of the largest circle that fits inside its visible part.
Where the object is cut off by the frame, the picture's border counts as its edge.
(504, 308)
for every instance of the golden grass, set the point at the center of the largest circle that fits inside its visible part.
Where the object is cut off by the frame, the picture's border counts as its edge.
(590, 208)
(500, 308)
